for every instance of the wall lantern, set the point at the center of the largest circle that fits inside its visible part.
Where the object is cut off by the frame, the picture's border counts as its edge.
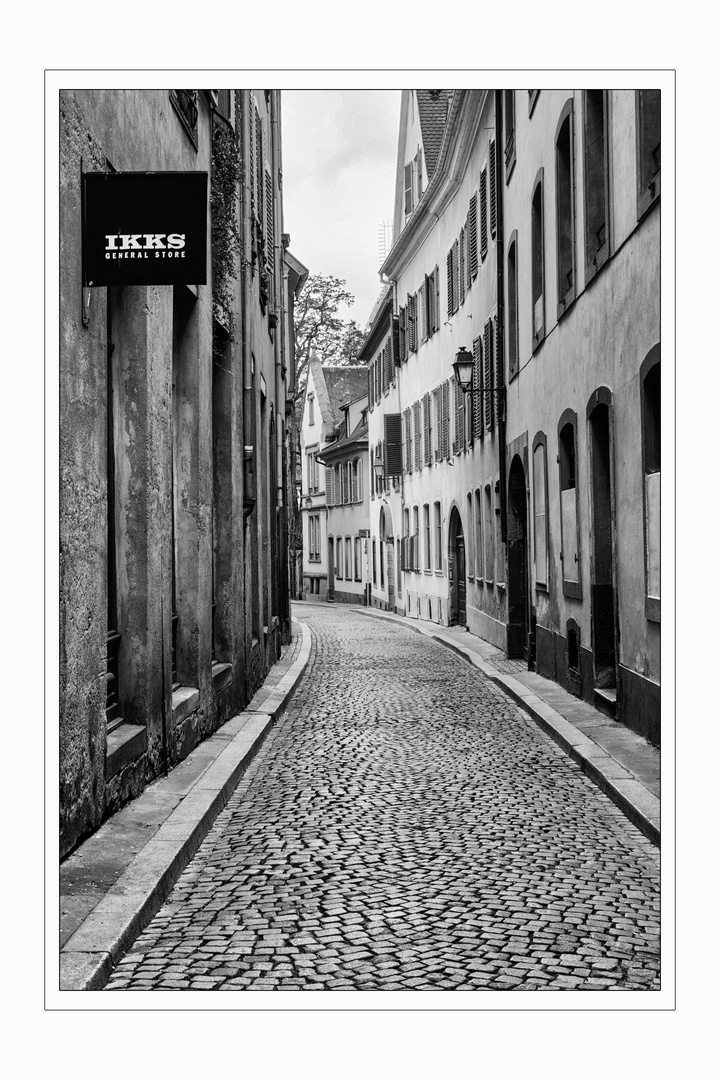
(463, 368)
(379, 467)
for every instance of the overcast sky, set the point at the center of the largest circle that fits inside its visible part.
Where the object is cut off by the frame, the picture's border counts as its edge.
(339, 158)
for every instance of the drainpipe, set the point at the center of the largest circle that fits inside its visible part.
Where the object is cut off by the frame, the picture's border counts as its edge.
(249, 490)
(500, 359)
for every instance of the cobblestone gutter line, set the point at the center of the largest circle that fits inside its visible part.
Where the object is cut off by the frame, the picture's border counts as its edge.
(638, 804)
(88, 956)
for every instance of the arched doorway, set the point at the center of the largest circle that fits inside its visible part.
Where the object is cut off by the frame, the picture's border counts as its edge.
(602, 533)
(387, 552)
(456, 570)
(517, 569)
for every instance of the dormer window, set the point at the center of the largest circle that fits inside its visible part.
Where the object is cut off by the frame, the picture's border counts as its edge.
(311, 408)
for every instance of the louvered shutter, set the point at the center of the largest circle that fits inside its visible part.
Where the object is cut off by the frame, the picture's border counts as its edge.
(483, 214)
(487, 376)
(269, 222)
(412, 339)
(396, 357)
(493, 188)
(389, 361)
(446, 419)
(461, 265)
(402, 335)
(420, 323)
(472, 236)
(449, 263)
(259, 163)
(429, 293)
(251, 147)
(408, 442)
(329, 486)
(477, 389)
(418, 436)
(461, 417)
(456, 284)
(393, 444)
(419, 173)
(426, 429)
(360, 481)
(371, 396)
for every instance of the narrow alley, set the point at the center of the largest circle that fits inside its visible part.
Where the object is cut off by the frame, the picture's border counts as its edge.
(406, 826)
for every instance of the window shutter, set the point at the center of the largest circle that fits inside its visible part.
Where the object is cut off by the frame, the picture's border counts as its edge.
(446, 419)
(449, 264)
(402, 335)
(408, 188)
(419, 173)
(428, 293)
(477, 389)
(418, 436)
(461, 264)
(371, 403)
(269, 222)
(395, 343)
(483, 214)
(390, 361)
(456, 289)
(412, 327)
(259, 162)
(251, 146)
(493, 189)
(487, 376)
(359, 481)
(420, 314)
(472, 236)
(426, 429)
(408, 442)
(393, 444)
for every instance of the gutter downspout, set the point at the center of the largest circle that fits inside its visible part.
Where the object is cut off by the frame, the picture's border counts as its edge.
(249, 492)
(500, 360)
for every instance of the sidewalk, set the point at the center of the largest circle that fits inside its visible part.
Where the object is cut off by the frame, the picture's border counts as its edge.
(622, 764)
(113, 884)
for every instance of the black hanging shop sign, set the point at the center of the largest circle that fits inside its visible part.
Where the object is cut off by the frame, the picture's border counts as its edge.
(145, 228)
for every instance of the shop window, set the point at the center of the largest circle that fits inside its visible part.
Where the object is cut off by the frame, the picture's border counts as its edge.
(595, 157)
(565, 210)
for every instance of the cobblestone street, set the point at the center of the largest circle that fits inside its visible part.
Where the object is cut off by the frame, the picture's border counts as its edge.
(406, 826)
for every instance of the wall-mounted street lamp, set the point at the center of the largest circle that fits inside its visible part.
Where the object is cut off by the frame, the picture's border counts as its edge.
(379, 468)
(463, 368)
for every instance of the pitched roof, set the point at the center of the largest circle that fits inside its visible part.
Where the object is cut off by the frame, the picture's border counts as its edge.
(344, 384)
(432, 110)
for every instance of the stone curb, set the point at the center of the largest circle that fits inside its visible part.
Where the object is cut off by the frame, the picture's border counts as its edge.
(90, 954)
(638, 804)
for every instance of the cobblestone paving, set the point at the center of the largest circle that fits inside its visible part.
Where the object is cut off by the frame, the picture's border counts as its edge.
(405, 826)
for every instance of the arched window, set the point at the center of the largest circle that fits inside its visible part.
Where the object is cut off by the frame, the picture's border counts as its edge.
(650, 392)
(565, 209)
(569, 524)
(540, 517)
(595, 158)
(538, 261)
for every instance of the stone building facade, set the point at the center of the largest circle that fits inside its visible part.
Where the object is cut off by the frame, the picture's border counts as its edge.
(173, 566)
(527, 235)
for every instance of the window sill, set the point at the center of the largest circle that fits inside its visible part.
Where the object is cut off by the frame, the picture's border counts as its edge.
(184, 701)
(539, 587)
(221, 676)
(565, 303)
(652, 608)
(124, 745)
(572, 589)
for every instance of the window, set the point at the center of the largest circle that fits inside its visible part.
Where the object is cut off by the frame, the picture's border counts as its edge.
(540, 521)
(312, 470)
(565, 210)
(512, 279)
(471, 233)
(532, 98)
(374, 566)
(478, 536)
(358, 559)
(426, 530)
(538, 267)
(311, 409)
(595, 146)
(416, 537)
(647, 119)
(408, 188)
(314, 537)
(499, 546)
(348, 557)
(382, 564)
(372, 473)
(489, 536)
(470, 537)
(438, 537)
(408, 441)
(493, 188)
(509, 108)
(392, 423)
(569, 541)
(357, 479)
(445, 402)
(650, 390)
(338, 558)
(412, 332)
(477, 386)
(488, 398)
